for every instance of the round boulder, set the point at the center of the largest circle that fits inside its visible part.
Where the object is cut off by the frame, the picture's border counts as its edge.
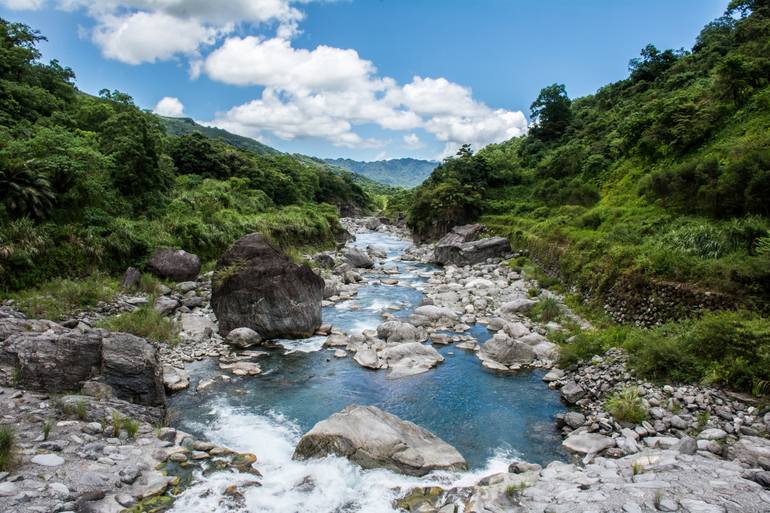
(174, 264)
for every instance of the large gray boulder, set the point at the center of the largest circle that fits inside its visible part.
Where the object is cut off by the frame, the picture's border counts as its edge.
(469, 253)
(174, 264)
(373, 438)
(44, 356)
(256, 286)
(461, 234)
(357, 258)
(409, 359)
(397, 331)
(502, 349)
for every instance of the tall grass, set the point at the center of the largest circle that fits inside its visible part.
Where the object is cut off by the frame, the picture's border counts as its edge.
(7, 447)
(60, 298)
(144, 322)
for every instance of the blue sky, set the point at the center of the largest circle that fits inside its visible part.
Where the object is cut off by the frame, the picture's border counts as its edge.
(364, 79)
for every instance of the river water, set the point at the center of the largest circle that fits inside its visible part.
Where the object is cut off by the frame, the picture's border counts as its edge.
(490, 418)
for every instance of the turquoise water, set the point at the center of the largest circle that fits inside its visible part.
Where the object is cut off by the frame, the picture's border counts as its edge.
(485, 415)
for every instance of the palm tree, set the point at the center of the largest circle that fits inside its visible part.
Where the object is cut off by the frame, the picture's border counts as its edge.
(24, 192)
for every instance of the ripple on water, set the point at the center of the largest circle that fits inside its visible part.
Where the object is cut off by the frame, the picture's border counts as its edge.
(490, 418)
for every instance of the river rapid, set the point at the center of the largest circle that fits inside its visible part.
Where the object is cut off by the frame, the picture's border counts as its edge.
(490, 418)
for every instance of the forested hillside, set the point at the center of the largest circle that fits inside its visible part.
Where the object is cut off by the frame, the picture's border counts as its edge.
(404, 172)
(665, 174)
(89, 184)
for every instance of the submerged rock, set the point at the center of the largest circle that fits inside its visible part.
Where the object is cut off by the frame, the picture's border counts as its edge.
(256, 286)
(373, 438)
(174, 264)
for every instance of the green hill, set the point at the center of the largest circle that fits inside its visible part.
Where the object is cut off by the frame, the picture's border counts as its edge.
(404, 172)
(186, 126)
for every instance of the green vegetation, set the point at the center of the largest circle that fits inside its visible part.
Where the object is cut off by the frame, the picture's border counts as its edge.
(47, 426)
(81, 409)
(7, 448)
(117, 423)
(131, 426)
(546, 310)
(663, 175)
(58, 298)
(627, 406)
(93, 184)
(144, 322)
(731, 348)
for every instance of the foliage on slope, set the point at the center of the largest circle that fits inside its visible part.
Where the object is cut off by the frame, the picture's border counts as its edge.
(665, 174)
(91, 184)
(405, 172)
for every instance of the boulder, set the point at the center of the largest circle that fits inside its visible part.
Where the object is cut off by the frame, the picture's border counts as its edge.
(504, 350)
(357, 258)
(174, 379)
(435, 313)
(753, 451)
(520, 305)
(409, 359)
(256, 286)
(61, 360)
(397, 331)
(373, 438)
(243, 338)
(469, 253)
(174, 264)
(131, 279)
(462, 234)
(324, 260)
(572, 392)
(587, 443)
(367, 358)
(130, 366)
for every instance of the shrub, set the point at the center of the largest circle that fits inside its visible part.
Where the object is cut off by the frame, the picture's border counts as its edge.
(581, 347)
(7, 447)
(62, 297)
(131, 426)
(144, 322)
(627, 406)
(117, 423)
(547, 309)
(47, 426)
(81, 408)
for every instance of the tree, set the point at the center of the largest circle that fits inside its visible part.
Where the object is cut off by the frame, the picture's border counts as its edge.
(195, 154)
(652, 63)
(551, 113)
(24, 191)
(746, 7)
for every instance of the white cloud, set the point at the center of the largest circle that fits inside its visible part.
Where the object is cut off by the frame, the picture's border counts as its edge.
(169, 106)
(147, 37)
(23, 5)
(413, 142)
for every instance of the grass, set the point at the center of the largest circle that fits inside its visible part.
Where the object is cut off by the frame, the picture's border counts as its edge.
(117, 423)
(60, 298)
(546, 310)
(131, 426)
(15, 376)
(7, 448)
(144, 322)
(627, 406)
(81, 409)
(513, 491)
(47, 426)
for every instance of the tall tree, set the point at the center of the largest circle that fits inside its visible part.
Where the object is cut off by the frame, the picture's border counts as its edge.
(551, 112)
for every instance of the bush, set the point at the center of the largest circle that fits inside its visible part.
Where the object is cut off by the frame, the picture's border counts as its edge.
(62, 297)
(131, 426)
(547, 309)
(581, 347)
(7, 448)
(144, 322)
(627, 406)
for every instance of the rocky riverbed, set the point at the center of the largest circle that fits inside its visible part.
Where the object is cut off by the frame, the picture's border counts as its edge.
(699, 449)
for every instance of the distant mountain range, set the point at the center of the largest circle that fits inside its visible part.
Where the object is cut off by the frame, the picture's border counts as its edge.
(396, 172)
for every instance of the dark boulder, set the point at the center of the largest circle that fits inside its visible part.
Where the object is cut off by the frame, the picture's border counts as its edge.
(460, 234)
(41, 355)
(469, 253)
(256, 286)
(174, 264)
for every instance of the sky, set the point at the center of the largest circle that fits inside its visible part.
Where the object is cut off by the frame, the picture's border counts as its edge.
(362, 79)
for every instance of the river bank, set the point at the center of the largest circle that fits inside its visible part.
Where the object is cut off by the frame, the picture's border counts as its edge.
(477, 383)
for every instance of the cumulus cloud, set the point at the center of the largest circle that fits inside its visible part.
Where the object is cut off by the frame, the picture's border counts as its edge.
(169, 106)
(412, 141)
(23, 5)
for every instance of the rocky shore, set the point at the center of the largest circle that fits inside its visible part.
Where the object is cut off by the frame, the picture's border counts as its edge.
(697, 450)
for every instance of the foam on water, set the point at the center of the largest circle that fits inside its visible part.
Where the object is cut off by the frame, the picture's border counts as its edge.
(323, 485)
(306, 345)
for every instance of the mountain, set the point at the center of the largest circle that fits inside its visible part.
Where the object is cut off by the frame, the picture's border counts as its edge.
(186, 126)
(396, 172)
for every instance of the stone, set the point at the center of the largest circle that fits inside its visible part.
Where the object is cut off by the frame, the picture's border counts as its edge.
(553, 375)
(397, 331)
(410, 358)
(696, 506)
(165, 305)
(8, 489)
(678, 423)
(688, 445)
(373, 438)
(751, 450)
(336, 340)
(367, 358)
(357, 258)
(504, 350)
(131, 279)
(174, 264)
(712, 434)
(48, 460)
(572, 392)
(435, 313)
(587, 443)
(469, 253)
(574, 419)
(175, 379)
(243, 338)
(130, 366)
(519, 305)
(257, 286)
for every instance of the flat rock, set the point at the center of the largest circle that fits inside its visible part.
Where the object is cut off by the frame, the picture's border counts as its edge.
(48, 460)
